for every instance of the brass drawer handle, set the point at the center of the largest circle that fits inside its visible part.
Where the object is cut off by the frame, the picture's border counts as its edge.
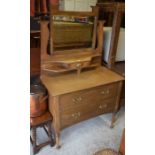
(100, 107)
(105, 92)
(77, 99)
(103, 106)
(108, 91)
(102, 92)
(76, 115)
(74, 100)
(79, 114)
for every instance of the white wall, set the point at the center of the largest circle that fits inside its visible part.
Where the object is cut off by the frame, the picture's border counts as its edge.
(77, 5)
(120, 55)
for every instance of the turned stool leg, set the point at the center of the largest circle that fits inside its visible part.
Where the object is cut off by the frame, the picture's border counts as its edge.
(50, 133)
(34, 140)
(44, 121)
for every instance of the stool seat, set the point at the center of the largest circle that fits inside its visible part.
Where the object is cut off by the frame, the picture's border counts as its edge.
(107, 152)
(44, 121)
(35, 121)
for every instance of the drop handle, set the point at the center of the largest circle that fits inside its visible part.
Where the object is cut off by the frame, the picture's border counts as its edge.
(79, 98)
(105, 92)
(102, 92)
(108, 91)
(103, 106)
(79, 114)
(76, 100)
(76, 115)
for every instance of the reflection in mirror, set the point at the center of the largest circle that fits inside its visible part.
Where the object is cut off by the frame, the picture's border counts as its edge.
(72, 32)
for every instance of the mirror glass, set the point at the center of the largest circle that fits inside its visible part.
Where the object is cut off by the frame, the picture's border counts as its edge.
(72, 32)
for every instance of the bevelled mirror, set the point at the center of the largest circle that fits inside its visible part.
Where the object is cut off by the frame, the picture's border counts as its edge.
(72, 32)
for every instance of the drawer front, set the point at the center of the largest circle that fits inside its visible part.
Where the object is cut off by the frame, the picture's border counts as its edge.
(72, 116)
(87, 97)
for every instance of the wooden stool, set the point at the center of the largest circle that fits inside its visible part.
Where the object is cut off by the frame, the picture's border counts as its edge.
(45, 122)
(107, 152)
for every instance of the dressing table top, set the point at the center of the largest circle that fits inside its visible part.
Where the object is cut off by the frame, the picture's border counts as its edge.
(58, 85)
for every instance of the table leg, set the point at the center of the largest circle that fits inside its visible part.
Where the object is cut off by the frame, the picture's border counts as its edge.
(57, 136)
(112, 120)
(120, 84)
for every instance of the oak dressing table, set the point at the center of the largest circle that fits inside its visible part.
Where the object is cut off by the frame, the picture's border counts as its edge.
(79, 87)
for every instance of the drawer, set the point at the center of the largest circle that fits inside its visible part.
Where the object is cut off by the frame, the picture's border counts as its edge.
(72, 116)
(87, 97)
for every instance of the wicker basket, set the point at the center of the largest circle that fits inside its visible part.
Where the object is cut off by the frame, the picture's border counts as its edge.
(107, 152)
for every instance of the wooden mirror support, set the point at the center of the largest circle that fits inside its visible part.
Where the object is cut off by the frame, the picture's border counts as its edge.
(61, 61)
(118, 9)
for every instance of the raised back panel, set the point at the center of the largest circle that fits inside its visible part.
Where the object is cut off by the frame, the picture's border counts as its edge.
(60, 61)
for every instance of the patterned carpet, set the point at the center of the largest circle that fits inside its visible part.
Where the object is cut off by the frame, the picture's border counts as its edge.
(87, 137)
